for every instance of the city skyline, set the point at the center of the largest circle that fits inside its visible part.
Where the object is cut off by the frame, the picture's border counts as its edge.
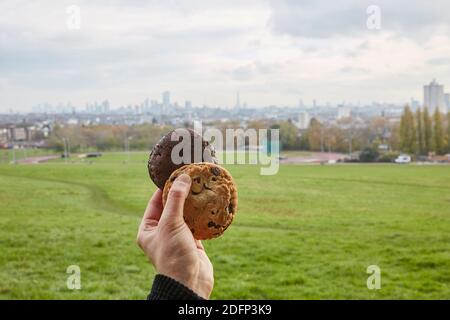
(434, 96)
(271, 52)
(147, 103)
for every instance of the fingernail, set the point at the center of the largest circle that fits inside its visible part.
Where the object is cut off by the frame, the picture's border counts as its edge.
(184, 178)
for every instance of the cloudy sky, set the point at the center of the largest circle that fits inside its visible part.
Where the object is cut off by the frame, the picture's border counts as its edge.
(271, 51)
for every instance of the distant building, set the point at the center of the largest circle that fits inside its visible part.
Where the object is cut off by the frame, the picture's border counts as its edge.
(106, 106)
(188, 104)
(303, 120)
(46, 129)
(343, 112)
(415, 104)
(433, 97)
(17, 134)
(238, 101)
(20, 134)
(3, 136)
(166, 100)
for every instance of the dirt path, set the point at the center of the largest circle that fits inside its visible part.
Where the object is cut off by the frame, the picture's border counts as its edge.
(315, 157)
(36, 160)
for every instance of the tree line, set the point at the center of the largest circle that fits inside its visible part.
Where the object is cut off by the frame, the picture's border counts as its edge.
(345, 135)
(422, 132)
(106, 137)
(417, 133)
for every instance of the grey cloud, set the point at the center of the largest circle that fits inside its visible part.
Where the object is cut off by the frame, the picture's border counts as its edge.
(243, 73)
(354, 52)
(249, 71)
(439, 61)
(71, 53)
(323, 19)
(267, 68)
(254, 43)
(64, 68)
(353, 70)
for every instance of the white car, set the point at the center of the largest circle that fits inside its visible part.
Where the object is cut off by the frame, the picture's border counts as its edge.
(403, 158)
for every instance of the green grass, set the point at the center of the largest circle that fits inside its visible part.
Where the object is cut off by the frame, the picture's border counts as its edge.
(309, 232)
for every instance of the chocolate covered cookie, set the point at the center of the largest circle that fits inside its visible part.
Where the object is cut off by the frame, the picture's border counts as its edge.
(161, 163)
(212, 201)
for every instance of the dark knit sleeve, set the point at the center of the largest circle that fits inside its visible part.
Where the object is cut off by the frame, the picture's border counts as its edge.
(166, 288)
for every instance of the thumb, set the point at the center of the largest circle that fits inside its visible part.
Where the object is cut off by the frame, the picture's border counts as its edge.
(173, 209)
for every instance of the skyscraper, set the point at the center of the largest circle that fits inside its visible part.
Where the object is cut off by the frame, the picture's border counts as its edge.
(166, 100)
(433, 97)
(238, 101)
(303, 120)
(105, 105)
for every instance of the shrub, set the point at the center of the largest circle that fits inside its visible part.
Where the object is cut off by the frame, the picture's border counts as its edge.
(388, 157)
(368, 155)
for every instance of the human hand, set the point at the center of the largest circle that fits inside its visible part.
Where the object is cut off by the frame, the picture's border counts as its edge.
(169, 244)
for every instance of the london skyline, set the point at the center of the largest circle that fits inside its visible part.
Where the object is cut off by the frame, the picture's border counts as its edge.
(272, 52)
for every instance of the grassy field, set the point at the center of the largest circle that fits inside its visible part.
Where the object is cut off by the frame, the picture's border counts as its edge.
(309, 232)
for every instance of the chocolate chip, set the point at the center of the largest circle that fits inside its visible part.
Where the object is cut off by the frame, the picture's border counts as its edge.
(211, 224)
(230, 208)
(215, 171)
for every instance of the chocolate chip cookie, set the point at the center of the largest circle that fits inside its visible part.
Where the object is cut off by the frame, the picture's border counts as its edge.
(161, 165)
(212, 201)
